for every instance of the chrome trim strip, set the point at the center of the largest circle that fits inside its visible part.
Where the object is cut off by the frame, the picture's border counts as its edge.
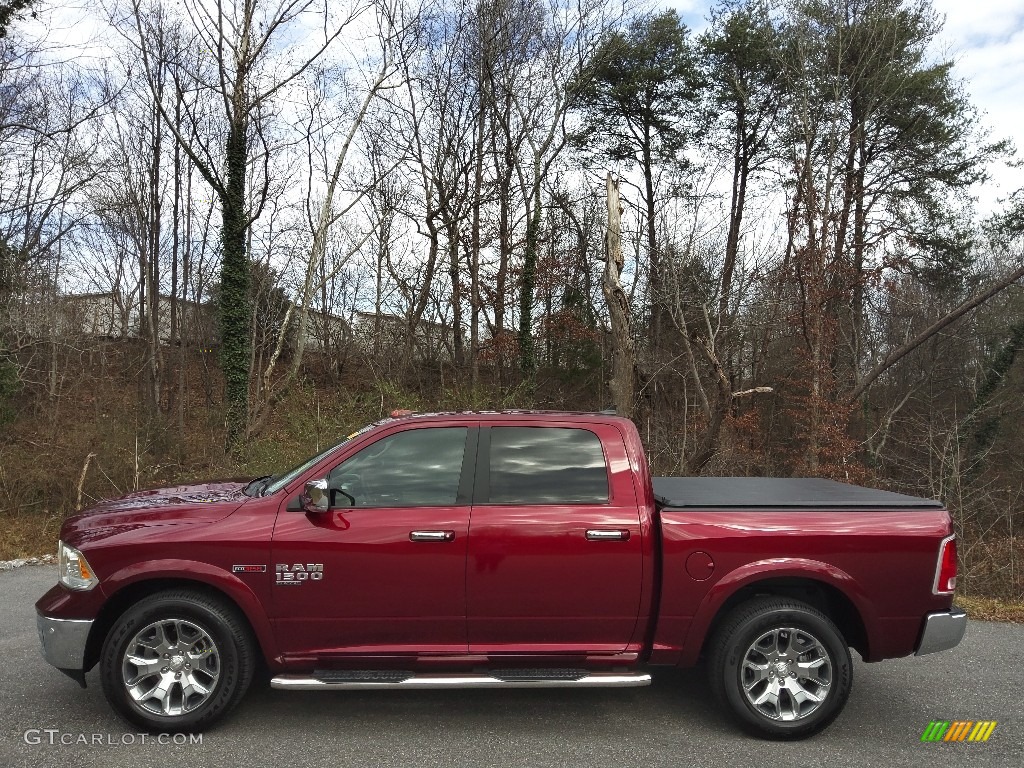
(942, 630)
(431, 682)
(63, 640)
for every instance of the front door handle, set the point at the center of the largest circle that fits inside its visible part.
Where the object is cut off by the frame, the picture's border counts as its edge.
(431, 535)
(604, 534)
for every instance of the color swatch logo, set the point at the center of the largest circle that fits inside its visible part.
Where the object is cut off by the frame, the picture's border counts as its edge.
(958, 730)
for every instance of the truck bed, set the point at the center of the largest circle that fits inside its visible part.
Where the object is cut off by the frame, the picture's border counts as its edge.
(778, 492)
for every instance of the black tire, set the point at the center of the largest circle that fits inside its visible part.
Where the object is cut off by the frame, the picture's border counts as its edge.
(223, 651)
(734, 656)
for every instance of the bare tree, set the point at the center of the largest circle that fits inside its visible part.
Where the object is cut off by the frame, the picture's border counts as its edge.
(245, 67)
(395, 35)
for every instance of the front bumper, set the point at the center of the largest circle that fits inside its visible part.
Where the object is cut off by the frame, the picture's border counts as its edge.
(942, 630)
(63, 643)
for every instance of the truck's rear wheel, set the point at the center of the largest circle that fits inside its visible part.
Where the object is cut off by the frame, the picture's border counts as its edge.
(177, 661)
(781, 667)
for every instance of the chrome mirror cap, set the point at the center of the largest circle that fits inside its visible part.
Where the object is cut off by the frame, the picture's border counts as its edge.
(316, 498)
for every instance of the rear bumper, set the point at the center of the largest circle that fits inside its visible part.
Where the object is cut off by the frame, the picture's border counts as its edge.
(63, 641)
(942, 630)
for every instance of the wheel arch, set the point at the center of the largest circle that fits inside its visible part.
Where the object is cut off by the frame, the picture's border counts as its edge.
(827, 598)
(830, 590)
(132, 592)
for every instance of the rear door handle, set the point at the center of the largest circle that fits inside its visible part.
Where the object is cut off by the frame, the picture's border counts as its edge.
(604, 534)
(431, 535)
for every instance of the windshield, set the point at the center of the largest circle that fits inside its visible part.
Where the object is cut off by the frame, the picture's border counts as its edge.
(274, 483)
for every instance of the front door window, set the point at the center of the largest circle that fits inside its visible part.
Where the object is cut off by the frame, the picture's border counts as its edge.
(415, 468)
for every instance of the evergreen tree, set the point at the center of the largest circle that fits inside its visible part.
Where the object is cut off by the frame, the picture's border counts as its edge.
(11, 10)
(639, 105)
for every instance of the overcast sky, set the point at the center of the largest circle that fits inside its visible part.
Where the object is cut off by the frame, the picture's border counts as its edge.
(985, 39)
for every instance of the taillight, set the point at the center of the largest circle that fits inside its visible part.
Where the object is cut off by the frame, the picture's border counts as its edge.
(945, 569)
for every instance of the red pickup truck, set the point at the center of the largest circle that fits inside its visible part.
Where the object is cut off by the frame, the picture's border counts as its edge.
(497, 550)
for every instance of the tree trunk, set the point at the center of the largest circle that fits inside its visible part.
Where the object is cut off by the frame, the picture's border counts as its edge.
(152, 294)
(421, 297)
(474, 266)
(454, 243)
(623, 351)
(503, 166)
(234, 292)
(527, 361)
(175, 332)
(741, 172)
(655, 282)
(902, 351)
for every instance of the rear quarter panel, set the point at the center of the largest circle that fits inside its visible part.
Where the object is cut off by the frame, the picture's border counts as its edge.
(882, 560)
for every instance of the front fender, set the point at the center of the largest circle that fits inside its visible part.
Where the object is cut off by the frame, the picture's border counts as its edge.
(180, 570)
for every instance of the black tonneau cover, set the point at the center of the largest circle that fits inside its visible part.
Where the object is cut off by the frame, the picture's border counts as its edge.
(771, 492)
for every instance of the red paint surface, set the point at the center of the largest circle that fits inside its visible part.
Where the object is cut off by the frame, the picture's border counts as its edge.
(536, 583)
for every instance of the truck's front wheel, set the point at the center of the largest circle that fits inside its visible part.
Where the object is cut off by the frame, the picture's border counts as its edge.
(177, 661)
(781, 666)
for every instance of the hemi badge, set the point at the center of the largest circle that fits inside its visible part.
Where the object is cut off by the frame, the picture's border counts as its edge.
(249, 568)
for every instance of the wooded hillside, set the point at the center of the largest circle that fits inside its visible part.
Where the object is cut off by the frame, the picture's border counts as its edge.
(250, 227)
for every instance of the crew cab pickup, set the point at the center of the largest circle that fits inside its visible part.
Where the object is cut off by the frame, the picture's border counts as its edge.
(497, 550)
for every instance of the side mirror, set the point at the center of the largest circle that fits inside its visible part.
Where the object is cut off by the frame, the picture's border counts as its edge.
(315, 497)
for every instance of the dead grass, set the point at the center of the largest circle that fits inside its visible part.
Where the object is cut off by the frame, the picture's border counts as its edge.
(991, 564)
(991, 609)
(27, 535)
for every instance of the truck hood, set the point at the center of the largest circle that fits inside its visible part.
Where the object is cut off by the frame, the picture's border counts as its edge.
(207, 502)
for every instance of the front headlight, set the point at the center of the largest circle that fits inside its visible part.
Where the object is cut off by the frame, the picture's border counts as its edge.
(73, 569)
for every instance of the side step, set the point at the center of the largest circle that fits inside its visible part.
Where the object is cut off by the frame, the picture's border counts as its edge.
(394, 680)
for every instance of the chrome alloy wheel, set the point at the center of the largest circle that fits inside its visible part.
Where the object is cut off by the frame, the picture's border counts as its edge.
(786, 674)
(170, 667)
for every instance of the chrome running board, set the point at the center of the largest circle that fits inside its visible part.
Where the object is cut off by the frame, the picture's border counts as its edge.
(372, 680)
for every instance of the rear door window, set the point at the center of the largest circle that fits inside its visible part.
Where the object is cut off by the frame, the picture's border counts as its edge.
(546, 465)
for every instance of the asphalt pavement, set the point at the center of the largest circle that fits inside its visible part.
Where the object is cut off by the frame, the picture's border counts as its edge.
(47, 720)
